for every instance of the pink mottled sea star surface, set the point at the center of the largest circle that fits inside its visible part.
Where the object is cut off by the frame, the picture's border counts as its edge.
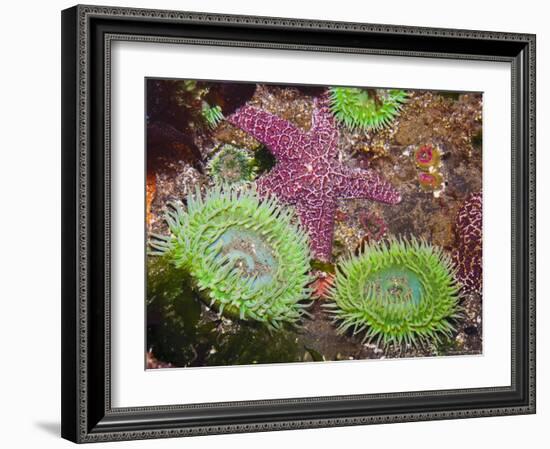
(308, 173)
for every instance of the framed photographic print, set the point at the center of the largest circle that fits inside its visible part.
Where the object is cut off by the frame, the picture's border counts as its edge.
(282, 223)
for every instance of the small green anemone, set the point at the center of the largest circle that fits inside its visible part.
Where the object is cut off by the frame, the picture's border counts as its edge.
(243, 254)
(231, 165)
(366, 109)
(400, 292)
(213, 115)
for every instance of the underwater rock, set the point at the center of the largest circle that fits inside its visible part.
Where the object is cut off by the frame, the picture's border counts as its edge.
(150, 191)
(250, 345)
(231, 96)
(164, 141)
(441, 227)
(374, 225)
(467, 254)
(253, 261)
(173, 183)
(173, 314)
(429, 116)
(226, 133)
(308, 173)
(285, 102)
(153, 363)
(401, 292)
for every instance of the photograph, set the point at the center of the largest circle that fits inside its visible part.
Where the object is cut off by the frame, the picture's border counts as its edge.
(281, 222)
(306, 223)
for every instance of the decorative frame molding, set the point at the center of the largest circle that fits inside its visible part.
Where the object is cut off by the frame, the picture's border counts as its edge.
(88, 32)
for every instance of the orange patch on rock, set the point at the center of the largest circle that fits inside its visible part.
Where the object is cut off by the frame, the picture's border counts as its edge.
(150, 191)
(322, 284)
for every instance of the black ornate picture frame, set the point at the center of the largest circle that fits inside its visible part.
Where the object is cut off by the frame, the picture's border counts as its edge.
(87, 35)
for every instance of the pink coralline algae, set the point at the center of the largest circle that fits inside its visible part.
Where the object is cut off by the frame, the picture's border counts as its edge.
(468, 245)
(308, 173)
(374, 225)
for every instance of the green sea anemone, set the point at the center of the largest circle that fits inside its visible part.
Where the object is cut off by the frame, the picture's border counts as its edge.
(231, 165)
(366, 109)
(243, 254)
(212, 114)
(400, 292)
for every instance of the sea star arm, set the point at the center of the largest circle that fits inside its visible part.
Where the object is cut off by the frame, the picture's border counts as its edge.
(322, 118)
(318, 218)
(279, 135)
(365, 184)
(323, 127)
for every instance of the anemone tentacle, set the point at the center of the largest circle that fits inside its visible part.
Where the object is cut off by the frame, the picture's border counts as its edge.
(213, 115)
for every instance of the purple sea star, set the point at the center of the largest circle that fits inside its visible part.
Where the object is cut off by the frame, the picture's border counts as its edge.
(308, 173)
(468, 249)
